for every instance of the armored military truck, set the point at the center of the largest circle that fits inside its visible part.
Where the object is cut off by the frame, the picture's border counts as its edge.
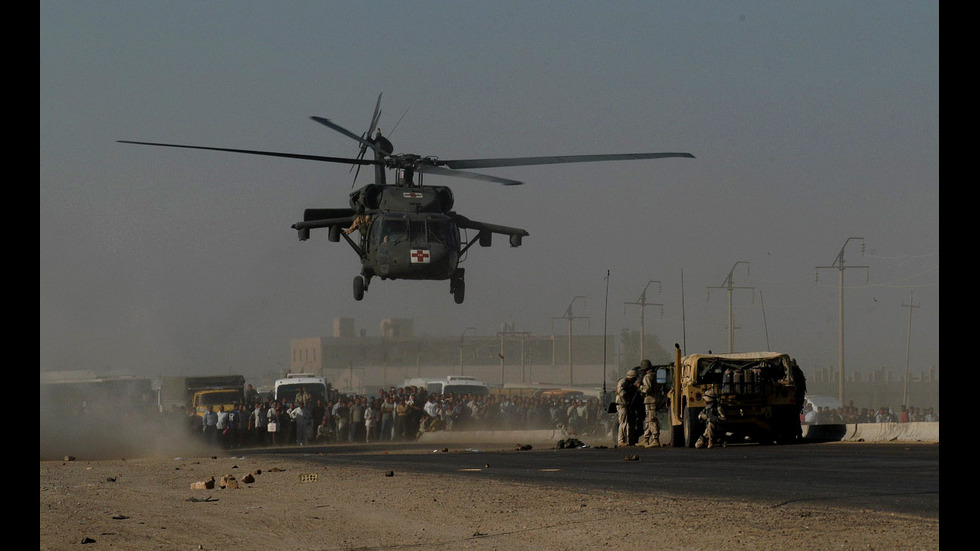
(761, 395)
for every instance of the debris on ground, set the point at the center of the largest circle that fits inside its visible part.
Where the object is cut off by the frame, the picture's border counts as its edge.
(203, 484)
(208, 499)
(523, 447)
(228, 482)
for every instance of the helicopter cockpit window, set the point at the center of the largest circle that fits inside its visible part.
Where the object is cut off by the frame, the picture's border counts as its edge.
(391, 230)
(440, 231)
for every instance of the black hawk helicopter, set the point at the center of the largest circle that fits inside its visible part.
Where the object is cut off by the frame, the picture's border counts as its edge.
(407, 230)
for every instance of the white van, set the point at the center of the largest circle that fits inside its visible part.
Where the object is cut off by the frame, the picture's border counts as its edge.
(453, 384)
(287, 389)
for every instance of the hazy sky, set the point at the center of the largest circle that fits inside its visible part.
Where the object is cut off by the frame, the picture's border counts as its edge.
(812, 122)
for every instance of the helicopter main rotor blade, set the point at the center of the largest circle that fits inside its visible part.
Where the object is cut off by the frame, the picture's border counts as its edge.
(330, 124)
(375, 117)
(550, 160)
(430, 169)
(363, 149)
(320, 158)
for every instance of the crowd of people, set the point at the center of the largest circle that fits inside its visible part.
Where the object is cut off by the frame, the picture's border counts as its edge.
(848, 414)
(395, 414)
(405, 413)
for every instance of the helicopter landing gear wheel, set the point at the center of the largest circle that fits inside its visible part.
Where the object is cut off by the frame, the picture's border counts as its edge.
(359, 288)
(458, 292)
(457, 286)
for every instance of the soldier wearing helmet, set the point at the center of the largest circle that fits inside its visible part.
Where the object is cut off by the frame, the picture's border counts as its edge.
(626, 393)
(713, 418)
(650, 390)
(360, 222)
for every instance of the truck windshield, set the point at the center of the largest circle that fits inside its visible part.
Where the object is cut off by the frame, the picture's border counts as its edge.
(289, 392)
(476, 390)
(219, 398)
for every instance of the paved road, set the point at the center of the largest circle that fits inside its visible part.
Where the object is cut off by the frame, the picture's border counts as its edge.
(893, 477)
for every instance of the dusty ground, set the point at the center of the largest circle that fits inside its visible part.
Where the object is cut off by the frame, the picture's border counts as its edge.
(144, 504)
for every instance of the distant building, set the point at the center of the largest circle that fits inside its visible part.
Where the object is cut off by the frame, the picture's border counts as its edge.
(352, 361)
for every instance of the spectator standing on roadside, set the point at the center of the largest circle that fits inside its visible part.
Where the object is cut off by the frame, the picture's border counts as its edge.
(357, 420)
(341, 418)
(260, 425)
(209, 424)
(222, 427)
(387, 417)
(299, 416)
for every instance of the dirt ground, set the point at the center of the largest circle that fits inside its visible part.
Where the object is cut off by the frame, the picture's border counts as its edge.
(298, 504)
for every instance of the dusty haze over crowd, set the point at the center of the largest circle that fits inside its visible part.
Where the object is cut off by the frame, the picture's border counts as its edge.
(811, 122)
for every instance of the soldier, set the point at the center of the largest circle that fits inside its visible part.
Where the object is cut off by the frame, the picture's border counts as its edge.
(650, 390)
(626, 392)
(713, 417)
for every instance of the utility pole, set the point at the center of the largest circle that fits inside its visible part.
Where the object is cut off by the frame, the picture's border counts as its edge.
(839, 265)
(729, 284)
(764, 323)
(508, 331)
(642, 303)
(568, 315)
(908, 347)
(605, 336)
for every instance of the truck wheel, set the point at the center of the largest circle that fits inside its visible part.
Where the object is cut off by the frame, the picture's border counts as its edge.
(693, 428)
(460, 292)
(677, 436)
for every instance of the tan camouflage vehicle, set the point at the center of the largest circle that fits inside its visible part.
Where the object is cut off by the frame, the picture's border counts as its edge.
(761, 395)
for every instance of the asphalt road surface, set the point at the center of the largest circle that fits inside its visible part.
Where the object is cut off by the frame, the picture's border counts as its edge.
(894, 477)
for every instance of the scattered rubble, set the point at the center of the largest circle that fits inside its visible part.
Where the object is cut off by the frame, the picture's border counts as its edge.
(308, 477)
(228, 482)
(203, 484)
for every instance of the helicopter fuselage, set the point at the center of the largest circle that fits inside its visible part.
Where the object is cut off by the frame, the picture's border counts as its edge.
(401, 245)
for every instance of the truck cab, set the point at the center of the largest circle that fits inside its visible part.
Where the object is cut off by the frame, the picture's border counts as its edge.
(219, 399)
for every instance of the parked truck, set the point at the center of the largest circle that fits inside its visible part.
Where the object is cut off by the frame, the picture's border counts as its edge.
(201, 392)
(760, 393)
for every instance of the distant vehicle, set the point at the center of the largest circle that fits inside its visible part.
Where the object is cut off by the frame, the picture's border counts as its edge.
(453, 384)
(199, 392)
(761, 394)
(562, 395)
(287, 389)
(220, 400)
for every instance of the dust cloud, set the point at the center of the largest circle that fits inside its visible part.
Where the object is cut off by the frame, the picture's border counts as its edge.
(89, 422)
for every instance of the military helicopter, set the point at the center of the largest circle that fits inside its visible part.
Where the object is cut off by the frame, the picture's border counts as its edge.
(407, 230)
